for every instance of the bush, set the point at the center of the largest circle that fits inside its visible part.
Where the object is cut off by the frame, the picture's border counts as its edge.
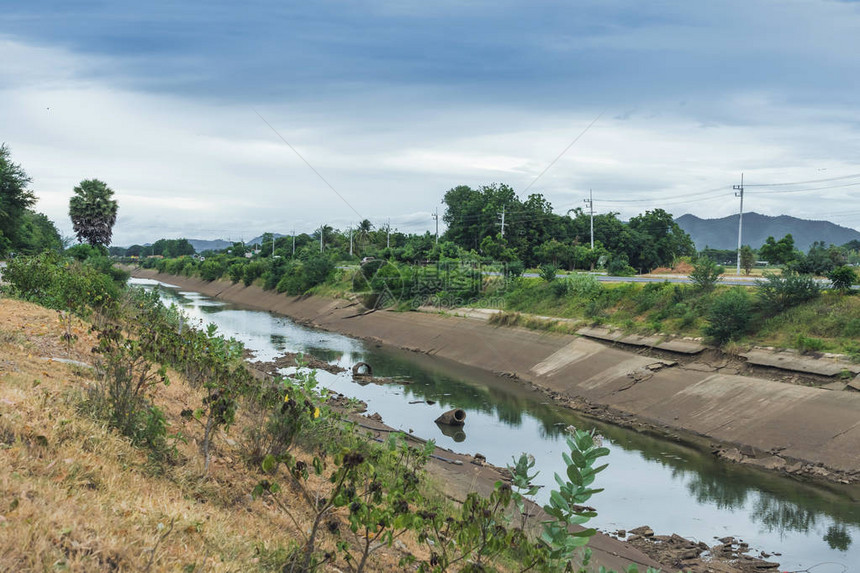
(706, 273)
(84, 251)
(729, 316)
(212, 270)
(584, 286)
(842, 278)
(781, 292)
(548, 272)
(514, 269)
(48, 280)
(619, 267)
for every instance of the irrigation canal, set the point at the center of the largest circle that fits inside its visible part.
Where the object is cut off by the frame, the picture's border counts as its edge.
(672, 488)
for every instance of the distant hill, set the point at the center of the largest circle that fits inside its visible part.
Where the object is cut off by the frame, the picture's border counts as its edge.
(723, 233)
(201, 245)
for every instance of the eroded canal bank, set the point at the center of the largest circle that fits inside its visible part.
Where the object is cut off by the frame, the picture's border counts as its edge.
(782, 427)
(671, 487)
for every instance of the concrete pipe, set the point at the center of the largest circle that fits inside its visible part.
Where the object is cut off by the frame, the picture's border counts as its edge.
(362, 369)
(456, 417)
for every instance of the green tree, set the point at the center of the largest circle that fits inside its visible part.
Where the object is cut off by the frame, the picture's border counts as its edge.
(93, 212)
(747, 259)
(37, 233)
(15, 198)
(778, 252)
(660, 240)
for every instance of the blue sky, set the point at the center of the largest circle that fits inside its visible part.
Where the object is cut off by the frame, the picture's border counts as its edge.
(396, 102)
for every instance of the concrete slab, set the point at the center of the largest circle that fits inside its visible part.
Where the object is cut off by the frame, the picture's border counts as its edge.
(672, 345)
(799, 363)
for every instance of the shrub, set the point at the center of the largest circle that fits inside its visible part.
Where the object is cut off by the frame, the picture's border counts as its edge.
(619, 267)
(548, 272)
(560, 287)
(212, 270)
(706, 273)
(842, 278)
(808, 344)
(514, 269)
(729, 316)
(59, 284)
(252, 272)
(584, 286)
(125, 378)
(781, 292)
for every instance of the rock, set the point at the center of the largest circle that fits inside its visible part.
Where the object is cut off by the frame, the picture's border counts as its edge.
(732, 455)
(726, 540)
(621, 533)
(644, 531)
(855, 384)
(375, 417)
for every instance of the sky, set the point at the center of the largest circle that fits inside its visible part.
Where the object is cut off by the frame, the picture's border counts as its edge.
(227, 119)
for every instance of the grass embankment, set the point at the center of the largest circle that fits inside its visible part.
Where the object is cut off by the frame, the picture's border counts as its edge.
(78, 496)
(152, 447)
(826, 323)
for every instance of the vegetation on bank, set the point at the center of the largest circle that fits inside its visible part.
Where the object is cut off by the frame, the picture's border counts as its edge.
(175, 392)
(787, 310)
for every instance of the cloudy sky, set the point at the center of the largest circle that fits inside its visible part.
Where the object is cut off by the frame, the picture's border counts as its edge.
(198, 115)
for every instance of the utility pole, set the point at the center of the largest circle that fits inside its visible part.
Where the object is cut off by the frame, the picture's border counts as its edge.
(503, 221)
(590, 203)
(294, 243)
(739, 192)
(273, 245)
(388, 234)
(436, 217)
(322, 230)
(350, 241)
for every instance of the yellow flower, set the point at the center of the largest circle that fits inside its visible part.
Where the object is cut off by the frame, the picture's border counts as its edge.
(316, 413)
(286, 398)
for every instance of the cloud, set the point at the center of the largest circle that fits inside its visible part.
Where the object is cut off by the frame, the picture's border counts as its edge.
(394, 103)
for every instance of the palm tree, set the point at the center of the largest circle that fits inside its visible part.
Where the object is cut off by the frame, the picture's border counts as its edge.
(363, 231)
(93, 212)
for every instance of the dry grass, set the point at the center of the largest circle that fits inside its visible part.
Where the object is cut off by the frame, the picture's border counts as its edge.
(76, 496)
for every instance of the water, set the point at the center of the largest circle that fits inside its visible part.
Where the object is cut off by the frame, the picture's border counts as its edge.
(672, 488)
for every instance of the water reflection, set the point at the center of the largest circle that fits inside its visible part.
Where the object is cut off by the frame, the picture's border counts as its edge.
(455, 432)
(670, 486)
(837, 537)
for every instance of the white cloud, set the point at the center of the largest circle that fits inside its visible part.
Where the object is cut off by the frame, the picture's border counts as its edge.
(183, 166)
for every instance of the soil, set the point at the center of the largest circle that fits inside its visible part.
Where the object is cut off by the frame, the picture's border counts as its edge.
(681, 268)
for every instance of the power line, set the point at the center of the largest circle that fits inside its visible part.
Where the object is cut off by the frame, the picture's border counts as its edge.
(318, 174)
(551, 163)
(805, 182)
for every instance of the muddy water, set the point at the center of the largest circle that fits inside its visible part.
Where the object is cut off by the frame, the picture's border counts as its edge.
(649, 481)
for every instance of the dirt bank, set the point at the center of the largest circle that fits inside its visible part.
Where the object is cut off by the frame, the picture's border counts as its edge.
(794, 429)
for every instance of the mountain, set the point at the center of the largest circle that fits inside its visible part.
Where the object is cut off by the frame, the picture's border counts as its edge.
(723, 233)
(201, 245)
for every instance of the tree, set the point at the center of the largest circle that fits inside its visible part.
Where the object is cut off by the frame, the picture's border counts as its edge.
(15, 198)
(93, 212)
(37, 233)
(747, 259)
(778, 252)
(660, 240)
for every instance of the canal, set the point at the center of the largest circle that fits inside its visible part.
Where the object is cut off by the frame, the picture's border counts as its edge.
(650, 481)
